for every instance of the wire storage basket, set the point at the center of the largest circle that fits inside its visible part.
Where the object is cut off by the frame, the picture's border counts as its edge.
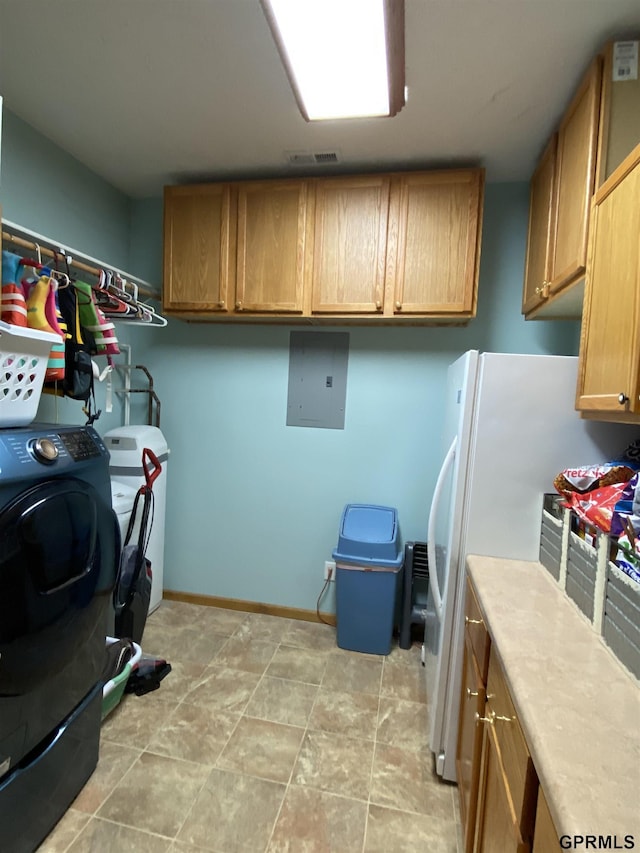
(24, 354)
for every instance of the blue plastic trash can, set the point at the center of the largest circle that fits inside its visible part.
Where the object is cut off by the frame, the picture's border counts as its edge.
(369, 560)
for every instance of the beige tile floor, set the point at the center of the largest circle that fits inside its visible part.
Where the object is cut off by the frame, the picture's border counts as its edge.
(264, 737)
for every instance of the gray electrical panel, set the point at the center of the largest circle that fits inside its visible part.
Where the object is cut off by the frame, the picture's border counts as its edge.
(317, 379)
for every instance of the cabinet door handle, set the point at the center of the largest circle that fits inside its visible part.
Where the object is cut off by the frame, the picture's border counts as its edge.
(503, 719)
(544, 290)
(468, 621)
(378, 305)
(398, 306)
(488, 719)
(221, 304)
(239, 306)
(622, 398)
(471, 693)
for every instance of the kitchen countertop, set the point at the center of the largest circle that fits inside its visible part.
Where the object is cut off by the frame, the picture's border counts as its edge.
(578, 706)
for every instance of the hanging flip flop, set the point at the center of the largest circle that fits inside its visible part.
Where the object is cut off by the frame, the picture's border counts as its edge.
(94, 322)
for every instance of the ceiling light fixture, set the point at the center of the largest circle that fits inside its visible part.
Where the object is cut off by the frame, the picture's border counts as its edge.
(344, 58)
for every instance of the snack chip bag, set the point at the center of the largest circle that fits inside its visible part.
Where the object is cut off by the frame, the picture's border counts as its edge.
(597, 506)
(586, 478)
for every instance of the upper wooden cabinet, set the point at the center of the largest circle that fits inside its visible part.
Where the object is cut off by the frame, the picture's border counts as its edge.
(352, 248)
(560, 195)
(575, 181)
(433, 248)
(598, 131)
(199, 248)
(620, 114)
(537, 270)
(609, 372)
(350, 245)
(273, 241)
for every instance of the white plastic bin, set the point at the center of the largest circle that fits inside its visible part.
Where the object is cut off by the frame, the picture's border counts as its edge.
(125, 445)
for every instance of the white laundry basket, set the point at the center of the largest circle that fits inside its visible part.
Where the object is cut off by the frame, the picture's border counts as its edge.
(24, 354)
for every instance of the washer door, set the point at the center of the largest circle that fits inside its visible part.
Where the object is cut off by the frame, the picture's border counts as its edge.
(59, 543)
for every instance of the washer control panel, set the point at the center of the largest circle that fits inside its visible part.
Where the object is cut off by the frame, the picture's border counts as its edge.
(55, 448)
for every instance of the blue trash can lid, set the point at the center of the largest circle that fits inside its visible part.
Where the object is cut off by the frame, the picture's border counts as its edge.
(368, 534)
(368, 523)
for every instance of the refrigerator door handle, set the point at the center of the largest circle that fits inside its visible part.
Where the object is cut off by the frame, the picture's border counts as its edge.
(431, 530)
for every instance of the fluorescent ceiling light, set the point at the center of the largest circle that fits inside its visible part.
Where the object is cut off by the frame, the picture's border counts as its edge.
(344, 58)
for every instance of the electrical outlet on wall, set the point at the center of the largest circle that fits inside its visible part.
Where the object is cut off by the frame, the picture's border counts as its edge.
(330, 570)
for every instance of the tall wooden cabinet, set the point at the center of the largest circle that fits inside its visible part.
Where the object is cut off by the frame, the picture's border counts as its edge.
(609, 371)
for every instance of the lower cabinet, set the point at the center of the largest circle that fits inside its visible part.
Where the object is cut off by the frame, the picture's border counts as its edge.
(502, 807)
(472, 701)
(497, 829)
(508, 782)
(545, 836)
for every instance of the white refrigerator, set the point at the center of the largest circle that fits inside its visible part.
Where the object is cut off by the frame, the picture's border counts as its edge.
(510, 427)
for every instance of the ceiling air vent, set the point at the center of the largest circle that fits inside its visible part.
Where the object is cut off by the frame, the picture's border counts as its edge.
(311, 158)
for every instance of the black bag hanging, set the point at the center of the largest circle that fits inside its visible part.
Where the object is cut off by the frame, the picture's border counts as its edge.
(78, 368)
(132, 592)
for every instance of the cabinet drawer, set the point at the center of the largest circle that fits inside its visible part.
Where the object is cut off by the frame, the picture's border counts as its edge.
(518, 766)
(477, 632)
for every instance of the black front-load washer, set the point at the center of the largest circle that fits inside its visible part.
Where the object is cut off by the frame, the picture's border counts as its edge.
(59, 546)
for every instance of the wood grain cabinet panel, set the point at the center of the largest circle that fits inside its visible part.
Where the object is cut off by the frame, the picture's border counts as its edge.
(469, 745)
(273, 239)
(540, 234)
(609, 372)
(561, 189)
(497, 825)
(350, 245)
(434, 249)
(576, 165)
(352, 248)
(199, 248)
(545, 837)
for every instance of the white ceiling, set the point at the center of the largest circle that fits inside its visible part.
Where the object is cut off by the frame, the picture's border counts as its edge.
(152, 92)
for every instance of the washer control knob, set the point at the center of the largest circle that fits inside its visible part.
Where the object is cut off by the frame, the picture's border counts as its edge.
(44, 450)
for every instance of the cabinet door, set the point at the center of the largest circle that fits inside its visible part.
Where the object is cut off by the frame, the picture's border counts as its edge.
(496, 826)
(576, 164)
(469, 741)
(199, 246)
(272, 245)
(608, 380)
(350, 245)
(540, 239)
(434, 231)
(545, 837)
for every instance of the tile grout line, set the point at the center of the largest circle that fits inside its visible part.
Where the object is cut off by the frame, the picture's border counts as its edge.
(373, 757)
(240, 716)
(295, 762)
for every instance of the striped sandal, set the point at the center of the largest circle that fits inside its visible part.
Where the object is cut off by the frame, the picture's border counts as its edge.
(94, 322)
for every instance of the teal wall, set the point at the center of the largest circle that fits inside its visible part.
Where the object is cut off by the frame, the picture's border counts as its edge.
(253, 505)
